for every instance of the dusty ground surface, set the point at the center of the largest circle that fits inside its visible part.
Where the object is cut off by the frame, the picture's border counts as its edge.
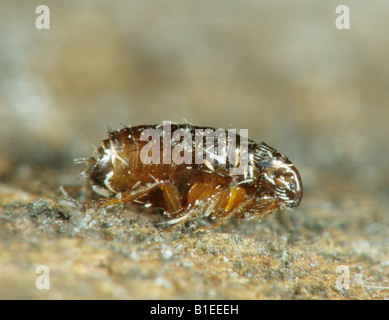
(281, 70)
(118, 252)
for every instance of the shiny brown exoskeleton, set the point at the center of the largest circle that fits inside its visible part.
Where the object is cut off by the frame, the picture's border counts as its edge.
(191, 189)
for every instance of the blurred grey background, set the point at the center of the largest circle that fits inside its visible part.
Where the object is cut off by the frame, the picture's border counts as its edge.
(280, 69)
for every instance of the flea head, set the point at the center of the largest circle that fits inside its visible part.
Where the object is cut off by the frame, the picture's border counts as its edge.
(279, 178)
(288, 185)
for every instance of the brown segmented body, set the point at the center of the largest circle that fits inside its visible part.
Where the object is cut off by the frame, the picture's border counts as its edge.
(187, 191)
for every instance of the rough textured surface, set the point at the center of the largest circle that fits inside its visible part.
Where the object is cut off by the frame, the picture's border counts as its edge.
(283, 71)
(118, 252)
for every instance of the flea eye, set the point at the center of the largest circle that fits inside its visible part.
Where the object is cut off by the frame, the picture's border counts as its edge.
(292, 186)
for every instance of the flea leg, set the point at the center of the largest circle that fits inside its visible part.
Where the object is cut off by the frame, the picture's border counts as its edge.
(172, 198)
(130, 196)
(173, 206)
(223, 205)
(215, 225)
(176, 223)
